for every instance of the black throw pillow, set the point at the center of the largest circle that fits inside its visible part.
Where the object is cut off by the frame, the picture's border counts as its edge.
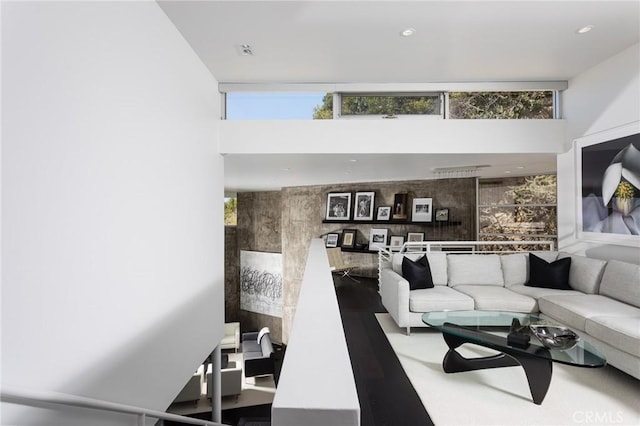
(549, 275)
(418, 273)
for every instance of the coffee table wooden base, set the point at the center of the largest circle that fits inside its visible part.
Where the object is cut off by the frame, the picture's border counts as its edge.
(537, 370)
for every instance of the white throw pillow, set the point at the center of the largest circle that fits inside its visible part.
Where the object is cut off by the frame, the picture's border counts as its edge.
(514, 269)
(438, 265)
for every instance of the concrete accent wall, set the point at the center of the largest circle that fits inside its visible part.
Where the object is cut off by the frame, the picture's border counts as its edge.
(259, 229)
(288, 220)
(231, 275)
(304, 210)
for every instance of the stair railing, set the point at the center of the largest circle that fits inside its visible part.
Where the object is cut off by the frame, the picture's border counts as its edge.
(36, 398)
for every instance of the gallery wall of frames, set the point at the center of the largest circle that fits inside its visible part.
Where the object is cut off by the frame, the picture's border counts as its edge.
(360, 216)
(360, 207)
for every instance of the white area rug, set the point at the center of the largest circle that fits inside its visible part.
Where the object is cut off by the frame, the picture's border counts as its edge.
(501, 396)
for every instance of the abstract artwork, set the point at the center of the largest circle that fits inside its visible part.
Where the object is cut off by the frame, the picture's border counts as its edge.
(608, 175)
(261, 282)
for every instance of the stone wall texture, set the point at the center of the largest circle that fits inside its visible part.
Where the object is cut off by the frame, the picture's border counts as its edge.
(286, 221)
(231, 275)
(259, 229)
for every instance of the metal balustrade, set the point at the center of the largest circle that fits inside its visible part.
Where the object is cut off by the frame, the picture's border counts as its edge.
(385, 255)
(38, 398)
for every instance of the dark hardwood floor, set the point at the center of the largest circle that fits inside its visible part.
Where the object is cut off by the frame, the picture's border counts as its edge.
(385, 393)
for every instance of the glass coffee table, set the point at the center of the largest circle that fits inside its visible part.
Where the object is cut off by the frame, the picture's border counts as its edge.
(491, 329)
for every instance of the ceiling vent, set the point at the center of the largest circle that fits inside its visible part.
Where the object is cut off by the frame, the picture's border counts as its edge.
(457, 172)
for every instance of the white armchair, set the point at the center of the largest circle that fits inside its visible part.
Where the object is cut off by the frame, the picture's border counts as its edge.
(231, 339)
(230, 380)
(193, 389)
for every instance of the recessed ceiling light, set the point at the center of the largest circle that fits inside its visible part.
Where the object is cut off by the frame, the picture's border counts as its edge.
(520, 167)
(584, 29)
(408, 32)
(508, 171)
(353, 160)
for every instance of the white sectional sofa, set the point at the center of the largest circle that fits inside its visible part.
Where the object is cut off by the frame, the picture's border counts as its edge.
(603, 304)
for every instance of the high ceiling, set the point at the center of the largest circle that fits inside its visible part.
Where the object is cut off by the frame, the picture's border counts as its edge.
(360, 41)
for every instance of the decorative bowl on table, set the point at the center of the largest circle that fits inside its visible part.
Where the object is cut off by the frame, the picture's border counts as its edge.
(555, 337)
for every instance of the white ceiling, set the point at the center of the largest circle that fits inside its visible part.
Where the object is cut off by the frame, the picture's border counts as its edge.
(359, 41)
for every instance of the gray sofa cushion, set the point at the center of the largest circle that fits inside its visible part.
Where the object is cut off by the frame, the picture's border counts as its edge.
(495, 298)
(620, 332)
(439, 298)
(585, 272)
(574, 311)
(538, 292)
(438, 265)
(620, 281)
(474, 269)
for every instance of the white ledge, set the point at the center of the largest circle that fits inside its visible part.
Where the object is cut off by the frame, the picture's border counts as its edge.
(316, 385)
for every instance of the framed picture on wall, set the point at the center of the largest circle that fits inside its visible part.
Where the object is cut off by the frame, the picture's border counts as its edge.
(349, 238)
(608, 186)
(422, 210)
(363, 207)
(442, 215)
(415, 237)
(396, 242)
(332, 240)
(384, 213)
(377, 238)
(338, 206)
(400, 206)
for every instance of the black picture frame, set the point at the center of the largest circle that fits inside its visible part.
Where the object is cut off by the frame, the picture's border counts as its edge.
(349, 237)
(400, 207)
(383, 213)
(332, 239)
(364, 205)
(338, 206)
(442, 215)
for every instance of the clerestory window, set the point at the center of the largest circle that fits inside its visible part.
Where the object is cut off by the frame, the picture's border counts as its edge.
(518, 105)
(390, 105)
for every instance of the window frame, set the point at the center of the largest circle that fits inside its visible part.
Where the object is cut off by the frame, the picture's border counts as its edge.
(338, 115)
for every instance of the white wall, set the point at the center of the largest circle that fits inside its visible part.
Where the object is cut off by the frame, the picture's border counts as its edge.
(392, 136)
(112, 191)
(602, 98)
